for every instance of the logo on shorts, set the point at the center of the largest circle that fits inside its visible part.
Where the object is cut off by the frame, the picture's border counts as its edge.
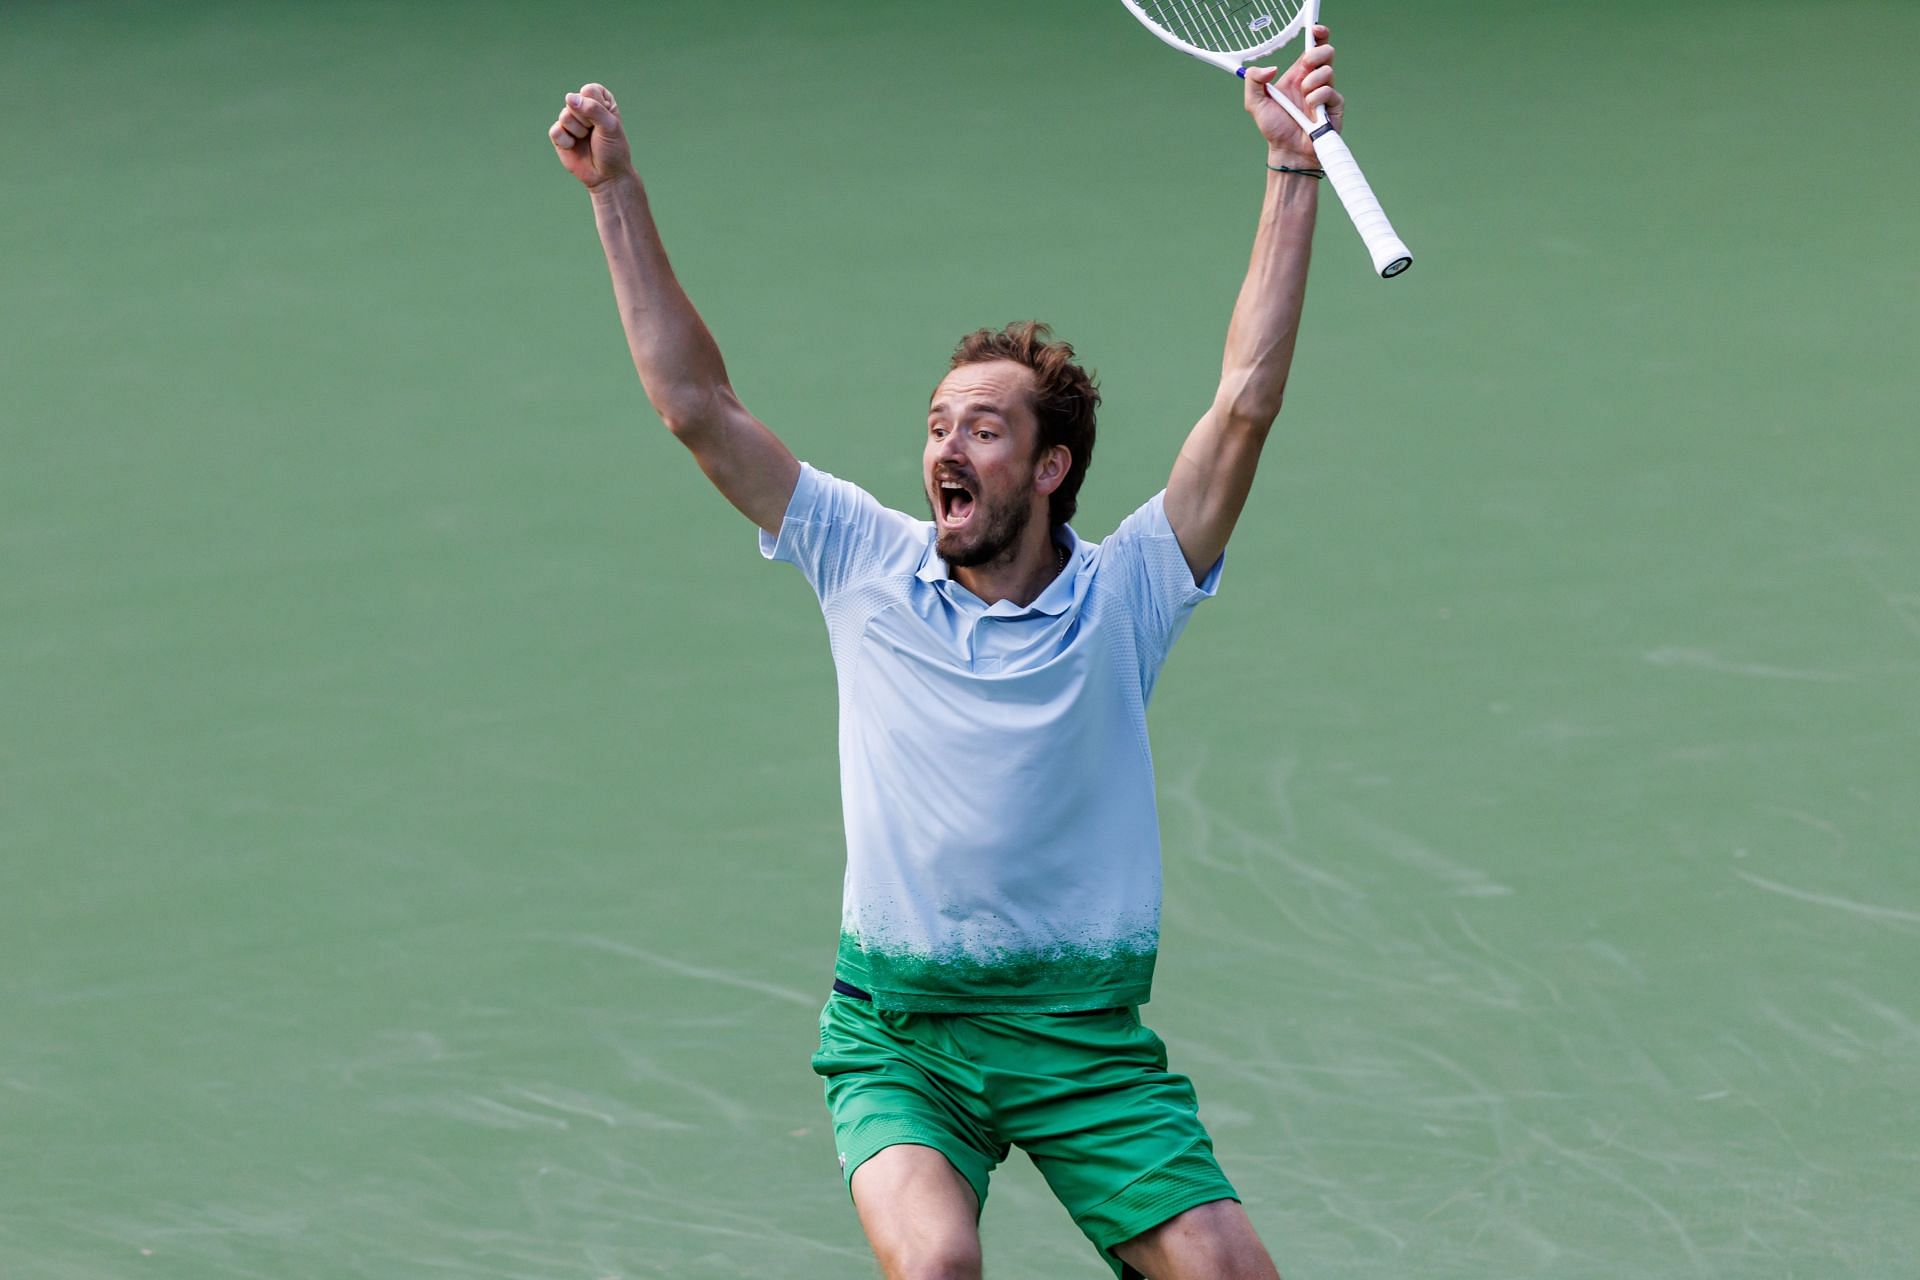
(843, 1162)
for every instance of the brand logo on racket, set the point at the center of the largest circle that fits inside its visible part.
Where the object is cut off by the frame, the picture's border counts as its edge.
(1261, 23)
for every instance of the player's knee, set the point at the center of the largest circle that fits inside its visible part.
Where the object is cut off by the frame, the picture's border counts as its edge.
(957, 1259)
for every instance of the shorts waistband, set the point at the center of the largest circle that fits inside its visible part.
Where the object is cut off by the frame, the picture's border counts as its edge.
(841, 987)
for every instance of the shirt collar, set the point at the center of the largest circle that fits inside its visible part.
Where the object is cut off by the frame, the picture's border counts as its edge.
(1055, 600)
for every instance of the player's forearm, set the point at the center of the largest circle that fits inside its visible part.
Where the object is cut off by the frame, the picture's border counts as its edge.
(673, 351)
(1266, 317)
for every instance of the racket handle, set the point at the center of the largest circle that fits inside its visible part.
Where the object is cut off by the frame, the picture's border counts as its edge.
(1390, 254)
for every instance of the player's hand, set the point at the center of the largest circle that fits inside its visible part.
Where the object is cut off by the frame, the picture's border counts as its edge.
(1309, 82)
(588, 137)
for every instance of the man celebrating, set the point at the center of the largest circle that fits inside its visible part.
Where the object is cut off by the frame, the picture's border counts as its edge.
(1002, 898)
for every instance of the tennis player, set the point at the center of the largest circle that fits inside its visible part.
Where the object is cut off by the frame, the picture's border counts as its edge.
(1002, 894)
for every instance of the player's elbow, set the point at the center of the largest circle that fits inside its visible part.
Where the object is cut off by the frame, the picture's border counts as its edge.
(1248, 415)
(1248, 405)
(688, 411)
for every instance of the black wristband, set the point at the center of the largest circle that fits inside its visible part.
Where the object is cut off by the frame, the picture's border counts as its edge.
(1308, 173)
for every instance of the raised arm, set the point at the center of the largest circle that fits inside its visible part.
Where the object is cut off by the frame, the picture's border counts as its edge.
(677, 359)
(1214, 472)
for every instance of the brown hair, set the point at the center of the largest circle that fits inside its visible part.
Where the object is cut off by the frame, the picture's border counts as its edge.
(1064, 397)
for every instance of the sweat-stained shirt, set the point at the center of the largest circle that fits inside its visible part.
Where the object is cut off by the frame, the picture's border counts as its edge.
(1003, 848)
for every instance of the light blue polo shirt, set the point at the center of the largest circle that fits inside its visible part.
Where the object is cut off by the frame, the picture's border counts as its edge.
(1003, 849)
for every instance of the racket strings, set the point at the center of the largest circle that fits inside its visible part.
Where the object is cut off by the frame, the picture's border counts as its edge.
(1223, 26)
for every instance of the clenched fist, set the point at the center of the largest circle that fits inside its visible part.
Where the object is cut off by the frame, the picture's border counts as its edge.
(588, 138)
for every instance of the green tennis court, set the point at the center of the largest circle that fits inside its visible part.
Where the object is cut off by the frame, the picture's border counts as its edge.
(419, 839)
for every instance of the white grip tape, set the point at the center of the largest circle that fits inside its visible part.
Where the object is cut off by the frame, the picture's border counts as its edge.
(1390, 255)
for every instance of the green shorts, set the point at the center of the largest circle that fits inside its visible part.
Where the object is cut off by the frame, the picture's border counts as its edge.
(1087, 1096)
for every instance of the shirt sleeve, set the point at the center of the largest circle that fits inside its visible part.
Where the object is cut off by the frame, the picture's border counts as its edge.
(839, 535)
(1152, 570)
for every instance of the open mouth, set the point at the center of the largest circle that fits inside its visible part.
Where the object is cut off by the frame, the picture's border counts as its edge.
(956, 503)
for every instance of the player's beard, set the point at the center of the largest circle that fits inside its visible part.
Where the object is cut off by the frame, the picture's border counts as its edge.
(992, 534)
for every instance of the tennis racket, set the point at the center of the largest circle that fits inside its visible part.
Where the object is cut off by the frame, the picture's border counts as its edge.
(1229, 34)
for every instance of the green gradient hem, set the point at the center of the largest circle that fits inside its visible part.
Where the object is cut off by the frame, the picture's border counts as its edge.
(1060, 980)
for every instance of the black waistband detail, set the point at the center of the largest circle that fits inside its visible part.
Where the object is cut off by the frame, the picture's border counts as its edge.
(848, 989)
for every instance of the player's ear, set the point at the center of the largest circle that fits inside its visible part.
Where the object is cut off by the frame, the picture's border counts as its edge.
(1050, 472)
